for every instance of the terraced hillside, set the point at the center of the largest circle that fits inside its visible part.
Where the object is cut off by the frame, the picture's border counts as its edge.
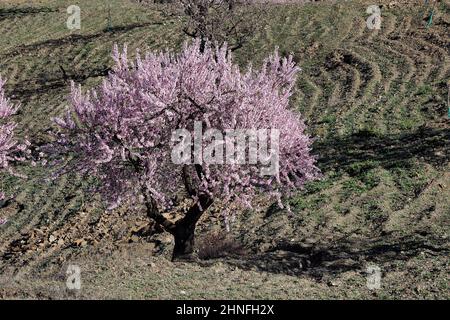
(376, 101)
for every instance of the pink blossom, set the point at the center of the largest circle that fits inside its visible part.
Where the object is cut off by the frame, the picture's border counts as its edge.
(10, 150)
(121, 131)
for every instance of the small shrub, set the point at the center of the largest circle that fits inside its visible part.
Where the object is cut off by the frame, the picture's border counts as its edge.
(218, 244)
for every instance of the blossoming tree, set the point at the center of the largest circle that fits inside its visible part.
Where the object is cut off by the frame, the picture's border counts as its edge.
(10, 150)
(126, 131)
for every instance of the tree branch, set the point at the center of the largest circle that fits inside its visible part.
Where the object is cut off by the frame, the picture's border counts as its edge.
(196, 211)
(153, 212)
(187, 180)
(150, 202)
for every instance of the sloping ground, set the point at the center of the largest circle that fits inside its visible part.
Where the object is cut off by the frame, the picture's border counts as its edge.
(376, 100)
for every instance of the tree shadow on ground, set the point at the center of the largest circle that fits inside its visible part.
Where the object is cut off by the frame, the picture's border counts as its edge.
(76, 39)
(343, 255)
(49, 82)
(12, 13)
(431, 144)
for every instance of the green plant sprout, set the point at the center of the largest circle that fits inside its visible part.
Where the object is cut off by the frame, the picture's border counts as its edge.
(430, 20)
(109, 27)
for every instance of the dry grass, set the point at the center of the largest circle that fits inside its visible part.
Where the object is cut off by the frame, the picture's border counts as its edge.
(374, 100)
(218, 244)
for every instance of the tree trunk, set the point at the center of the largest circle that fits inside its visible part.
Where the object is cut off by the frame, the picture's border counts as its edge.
(185, 229)
(184, 242)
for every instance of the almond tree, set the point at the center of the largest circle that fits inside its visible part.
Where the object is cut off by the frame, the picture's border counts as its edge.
(10, 150)
(124, 132)
(218, 21)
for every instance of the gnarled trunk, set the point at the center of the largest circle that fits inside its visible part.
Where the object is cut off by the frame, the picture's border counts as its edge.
(184, 241)
(184, 230)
